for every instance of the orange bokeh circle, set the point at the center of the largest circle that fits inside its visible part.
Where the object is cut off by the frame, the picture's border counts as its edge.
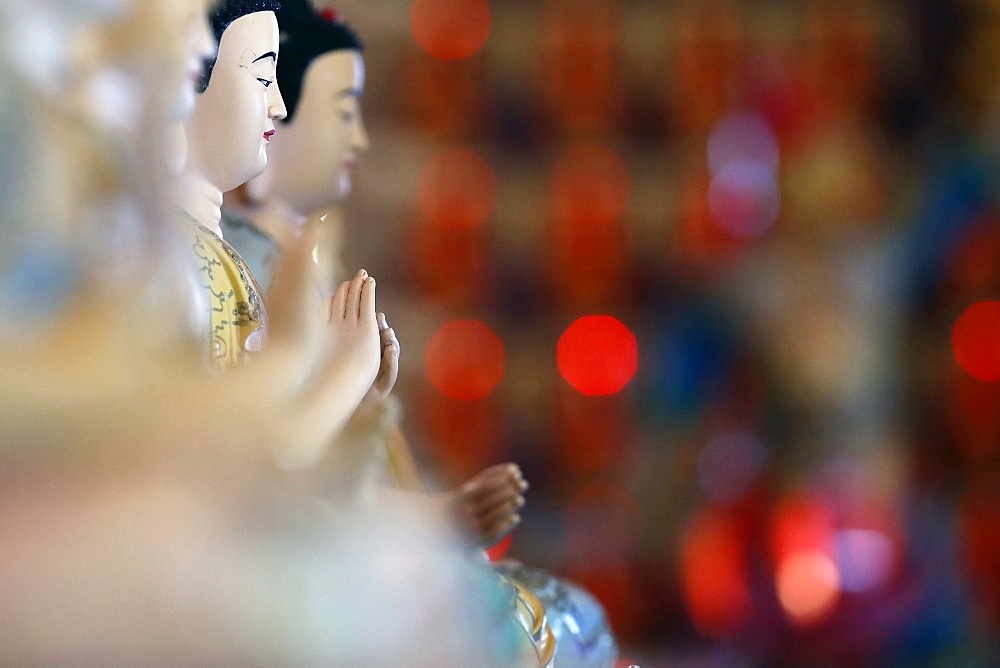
(465, 360)
(457, 190)
(450, 29)
(590, 185)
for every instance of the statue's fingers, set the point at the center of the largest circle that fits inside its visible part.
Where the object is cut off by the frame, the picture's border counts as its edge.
(367, 301)
(502, 498)
(338, 303)
(493, 534)
(354, 293)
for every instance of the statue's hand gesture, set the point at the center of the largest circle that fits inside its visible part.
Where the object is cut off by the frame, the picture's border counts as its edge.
(388, 369)
(487, 504)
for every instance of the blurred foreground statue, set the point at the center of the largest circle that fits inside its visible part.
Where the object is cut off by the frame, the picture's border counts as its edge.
(146, 516)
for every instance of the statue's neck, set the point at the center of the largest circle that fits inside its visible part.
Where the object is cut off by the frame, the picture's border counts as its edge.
(202, 200)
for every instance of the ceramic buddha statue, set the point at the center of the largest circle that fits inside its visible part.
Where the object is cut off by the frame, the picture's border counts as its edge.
(309, 172)
(128, 538)
(232, 123)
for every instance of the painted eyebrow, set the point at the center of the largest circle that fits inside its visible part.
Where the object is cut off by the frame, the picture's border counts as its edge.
(269, 54)
(348, 92)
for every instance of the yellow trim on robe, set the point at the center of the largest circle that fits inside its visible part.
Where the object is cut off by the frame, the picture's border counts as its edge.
(235, 308)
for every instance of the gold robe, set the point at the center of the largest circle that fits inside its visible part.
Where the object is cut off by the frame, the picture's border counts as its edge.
(235, 307)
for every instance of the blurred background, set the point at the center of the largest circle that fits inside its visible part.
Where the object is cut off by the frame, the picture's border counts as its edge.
(723, 278)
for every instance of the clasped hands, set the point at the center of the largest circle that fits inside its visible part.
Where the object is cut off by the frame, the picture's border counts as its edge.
(325, 356)
(486, 507)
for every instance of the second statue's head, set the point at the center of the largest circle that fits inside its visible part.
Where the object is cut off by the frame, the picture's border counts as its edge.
(234, 115)
(323, 76)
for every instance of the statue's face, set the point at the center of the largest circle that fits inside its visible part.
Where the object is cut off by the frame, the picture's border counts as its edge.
(233, 119)
(195, 44)
(170, 39)
(314, 162)
(112, 60)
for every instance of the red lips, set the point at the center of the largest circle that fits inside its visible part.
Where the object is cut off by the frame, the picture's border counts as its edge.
(268, 135)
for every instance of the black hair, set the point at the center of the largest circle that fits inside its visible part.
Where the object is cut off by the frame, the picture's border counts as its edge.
(305, 35)
(220, 15)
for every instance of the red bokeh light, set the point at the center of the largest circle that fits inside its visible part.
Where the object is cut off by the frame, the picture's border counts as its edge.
(802, 524)
(713, 560)
(498, 551)
(457, 190)
(597, 355)
(975, 340)
(590, 185)
(808, 586)
(450, 29)
(465, 360)
(807, 580)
